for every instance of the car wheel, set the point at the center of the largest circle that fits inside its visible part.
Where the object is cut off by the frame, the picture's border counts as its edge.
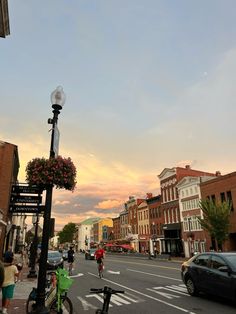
(191, 288)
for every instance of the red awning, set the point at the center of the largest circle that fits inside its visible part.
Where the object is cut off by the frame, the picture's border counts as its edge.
(110, 245)
(126, 246)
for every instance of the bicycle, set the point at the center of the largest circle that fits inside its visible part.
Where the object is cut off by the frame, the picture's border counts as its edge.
(56, 298)
(107, 292)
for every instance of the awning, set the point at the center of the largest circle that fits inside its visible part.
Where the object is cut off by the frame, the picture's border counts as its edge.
(126, 246)
(110, 245)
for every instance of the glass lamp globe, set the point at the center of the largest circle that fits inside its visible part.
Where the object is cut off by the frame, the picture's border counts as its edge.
(58, 97)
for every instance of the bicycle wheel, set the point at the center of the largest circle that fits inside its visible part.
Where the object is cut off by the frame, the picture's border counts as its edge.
(30, 304)
(31, 301)
(67, 306)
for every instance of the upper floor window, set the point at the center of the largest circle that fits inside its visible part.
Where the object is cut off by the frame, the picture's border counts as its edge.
(213, 198)
(176, 215)
(165, 218)
(229, 198)
(222, 197)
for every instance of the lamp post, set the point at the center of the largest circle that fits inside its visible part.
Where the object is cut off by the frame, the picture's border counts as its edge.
(33, 249)
(58, 100)
(190, 236)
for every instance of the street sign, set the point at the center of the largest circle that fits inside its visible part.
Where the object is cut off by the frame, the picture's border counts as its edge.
(26, 209)
(25, 189)
(29, 199)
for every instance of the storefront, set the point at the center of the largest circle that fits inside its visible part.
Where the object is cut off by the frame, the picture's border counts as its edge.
(143, 244)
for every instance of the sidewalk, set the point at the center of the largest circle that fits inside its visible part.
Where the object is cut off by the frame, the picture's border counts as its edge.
(22, 291)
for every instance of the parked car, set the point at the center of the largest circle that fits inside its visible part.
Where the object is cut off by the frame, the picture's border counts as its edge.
(54, 260)
(89, 254)
(211, 272)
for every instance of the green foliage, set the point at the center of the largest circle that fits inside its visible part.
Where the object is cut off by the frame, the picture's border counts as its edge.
(59, 171)
(67, 233)
(216, 219)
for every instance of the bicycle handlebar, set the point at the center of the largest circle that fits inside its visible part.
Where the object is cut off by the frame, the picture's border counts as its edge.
(107, 290)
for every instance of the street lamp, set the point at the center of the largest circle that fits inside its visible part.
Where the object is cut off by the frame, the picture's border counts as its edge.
(34, 248)
(190, 236)
(57, 99)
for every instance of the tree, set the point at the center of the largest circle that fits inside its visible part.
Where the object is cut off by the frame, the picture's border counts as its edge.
(67, 233)
(216, 220)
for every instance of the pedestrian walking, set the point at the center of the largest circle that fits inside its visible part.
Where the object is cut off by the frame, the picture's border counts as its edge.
(8, 286)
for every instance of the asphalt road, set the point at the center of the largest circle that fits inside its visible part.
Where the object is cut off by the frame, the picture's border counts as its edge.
(150, 287)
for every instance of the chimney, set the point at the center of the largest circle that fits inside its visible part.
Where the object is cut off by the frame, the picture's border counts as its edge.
(148, 195)
(187, 167)
(218, 173)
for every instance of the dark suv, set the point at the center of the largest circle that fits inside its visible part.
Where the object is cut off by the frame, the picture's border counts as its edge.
(54, 260)
(211, 272)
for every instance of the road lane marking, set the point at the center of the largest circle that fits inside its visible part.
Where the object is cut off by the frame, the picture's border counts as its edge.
(146, 295)
(116, 299)
(97, 296)
(113, 272)
(143, 264)
(181, 288)
(78, 275)
(175, 290)
(85, 304)
(164, 294)
(142, 272)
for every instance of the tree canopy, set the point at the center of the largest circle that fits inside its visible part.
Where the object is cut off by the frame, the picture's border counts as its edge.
(67, 233)
(216, 219)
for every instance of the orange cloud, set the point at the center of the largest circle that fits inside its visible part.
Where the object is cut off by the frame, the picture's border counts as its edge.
(109, 204)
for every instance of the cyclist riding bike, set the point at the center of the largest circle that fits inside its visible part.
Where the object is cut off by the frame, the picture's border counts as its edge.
(71, 258)
(100, 255)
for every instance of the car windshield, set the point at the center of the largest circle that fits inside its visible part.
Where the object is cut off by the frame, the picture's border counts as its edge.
(54, 254)
(232, 260)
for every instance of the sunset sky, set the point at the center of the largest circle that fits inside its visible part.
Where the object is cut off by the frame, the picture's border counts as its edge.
(149, 85)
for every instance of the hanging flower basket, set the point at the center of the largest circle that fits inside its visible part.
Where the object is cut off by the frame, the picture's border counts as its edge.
(59, 172)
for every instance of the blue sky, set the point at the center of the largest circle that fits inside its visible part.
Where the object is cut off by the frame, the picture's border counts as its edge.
(149, 85)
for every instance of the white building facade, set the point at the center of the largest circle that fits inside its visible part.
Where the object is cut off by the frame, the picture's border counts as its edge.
(193, 236)
(84, 233)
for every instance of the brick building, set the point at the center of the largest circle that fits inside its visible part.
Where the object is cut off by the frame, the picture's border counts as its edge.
(156, 221)
(132, 207)
(220, 189)
(169, 178)
(143, 227)
(9, 167)
(116, 228)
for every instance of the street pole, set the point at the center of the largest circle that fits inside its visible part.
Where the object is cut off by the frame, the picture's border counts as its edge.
(33, 254)
(58, 100)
